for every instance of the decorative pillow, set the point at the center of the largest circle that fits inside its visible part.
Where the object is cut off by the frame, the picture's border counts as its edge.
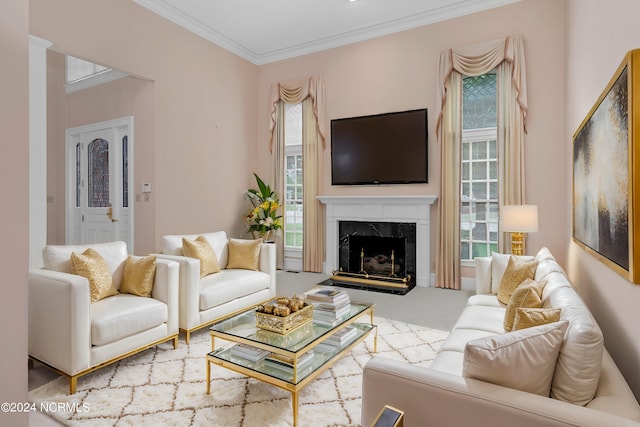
(244, 254)
(530, 317)
(202, 250)
(499, 265)
(516, 272)
(138, 276)
(524, 360)
(91, 265)
(526, 295)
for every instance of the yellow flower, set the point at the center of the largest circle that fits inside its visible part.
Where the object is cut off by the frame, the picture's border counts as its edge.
(274, 206)
(265, 205)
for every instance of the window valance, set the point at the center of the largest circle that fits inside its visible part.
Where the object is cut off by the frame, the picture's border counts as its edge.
(295, 93)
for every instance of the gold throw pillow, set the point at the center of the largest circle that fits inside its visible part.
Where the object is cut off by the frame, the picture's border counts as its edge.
(529, 317)
(244, 254)
(202, 250)
(138, 276)
(516, 272)
(91, 265)
(528, 294)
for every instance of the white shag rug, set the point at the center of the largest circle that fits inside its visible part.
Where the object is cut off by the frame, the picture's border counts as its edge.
(166, 387)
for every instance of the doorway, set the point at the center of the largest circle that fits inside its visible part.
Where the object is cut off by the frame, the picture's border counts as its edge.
(99, 183)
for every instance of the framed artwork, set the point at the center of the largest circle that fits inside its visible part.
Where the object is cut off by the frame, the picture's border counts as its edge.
(606, 166)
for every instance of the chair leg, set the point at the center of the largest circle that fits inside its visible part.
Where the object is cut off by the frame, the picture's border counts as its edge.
(186, 338)
(175, 342)
(73, 381)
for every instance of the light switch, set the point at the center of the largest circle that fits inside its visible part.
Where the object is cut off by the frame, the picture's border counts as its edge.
(146, 188)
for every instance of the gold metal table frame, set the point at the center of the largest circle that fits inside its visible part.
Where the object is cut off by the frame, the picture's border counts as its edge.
(221, 357)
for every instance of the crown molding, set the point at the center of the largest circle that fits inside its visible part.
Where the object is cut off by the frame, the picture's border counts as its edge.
(449, 11)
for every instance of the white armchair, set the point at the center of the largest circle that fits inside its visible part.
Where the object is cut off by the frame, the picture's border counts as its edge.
(205, 300)
(73, 336)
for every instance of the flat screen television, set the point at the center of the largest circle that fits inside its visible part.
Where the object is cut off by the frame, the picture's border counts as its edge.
(386, 148)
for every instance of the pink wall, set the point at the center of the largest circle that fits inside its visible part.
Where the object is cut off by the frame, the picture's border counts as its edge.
(398, 72)
(14, 188)
(598, 34)
(203, 107)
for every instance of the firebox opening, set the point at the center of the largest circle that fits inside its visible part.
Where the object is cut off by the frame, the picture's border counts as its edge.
(376, 256)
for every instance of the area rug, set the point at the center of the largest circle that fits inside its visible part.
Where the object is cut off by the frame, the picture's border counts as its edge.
(166, 387)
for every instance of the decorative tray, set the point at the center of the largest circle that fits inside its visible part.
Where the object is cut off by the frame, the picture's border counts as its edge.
(283, 315)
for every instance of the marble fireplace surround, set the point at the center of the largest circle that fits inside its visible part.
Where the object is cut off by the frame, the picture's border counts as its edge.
(407, 209)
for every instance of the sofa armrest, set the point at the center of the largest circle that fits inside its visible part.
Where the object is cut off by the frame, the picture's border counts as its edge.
(188, 289)
(268, 265)
(166, 288)
(483, 275)
(59, 320)
(433, 398)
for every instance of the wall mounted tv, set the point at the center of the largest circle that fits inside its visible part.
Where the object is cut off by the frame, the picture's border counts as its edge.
(386, 148)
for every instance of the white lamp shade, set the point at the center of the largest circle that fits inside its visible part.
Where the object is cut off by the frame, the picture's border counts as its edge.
(519, 218)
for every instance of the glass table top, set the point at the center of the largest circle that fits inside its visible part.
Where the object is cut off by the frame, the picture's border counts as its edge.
(243, 326)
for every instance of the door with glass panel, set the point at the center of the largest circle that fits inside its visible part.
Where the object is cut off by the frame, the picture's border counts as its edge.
(99, 182)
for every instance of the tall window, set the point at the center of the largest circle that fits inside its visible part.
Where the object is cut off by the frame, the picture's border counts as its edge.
(293, 178)
(479, 184)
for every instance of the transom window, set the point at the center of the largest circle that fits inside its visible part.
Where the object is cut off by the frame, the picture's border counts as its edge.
(479, 183)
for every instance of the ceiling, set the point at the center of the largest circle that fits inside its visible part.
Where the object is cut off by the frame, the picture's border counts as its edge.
(263, 31)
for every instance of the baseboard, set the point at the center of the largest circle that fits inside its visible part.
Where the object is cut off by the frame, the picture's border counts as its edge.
(467, 284)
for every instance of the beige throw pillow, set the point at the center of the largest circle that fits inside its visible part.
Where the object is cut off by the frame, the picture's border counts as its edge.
(528, 294)
(530, 317)
(202, 250)
(138, 276)
(92, 266)
(523, 360)
(244, 254)
(516, 272)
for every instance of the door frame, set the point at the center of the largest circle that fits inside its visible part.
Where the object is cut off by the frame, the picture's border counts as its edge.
(123, 126)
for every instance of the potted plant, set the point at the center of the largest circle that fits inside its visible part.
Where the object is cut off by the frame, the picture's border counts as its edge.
(263, 219)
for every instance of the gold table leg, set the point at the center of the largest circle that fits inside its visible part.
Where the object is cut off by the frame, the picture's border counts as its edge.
(294, 400)
(375, 337)
(208, 376)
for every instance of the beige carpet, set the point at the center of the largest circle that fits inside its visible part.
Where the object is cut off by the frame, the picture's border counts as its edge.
(166, 387)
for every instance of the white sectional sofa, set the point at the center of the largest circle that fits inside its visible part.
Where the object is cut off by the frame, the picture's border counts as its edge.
(584, 373)
(204, 300)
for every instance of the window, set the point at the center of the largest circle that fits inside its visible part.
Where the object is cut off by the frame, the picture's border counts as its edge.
(479, 183)
(98, 175)
(293, 176)
(83, 74)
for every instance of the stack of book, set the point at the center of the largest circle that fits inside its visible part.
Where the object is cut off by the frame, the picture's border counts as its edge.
(330, 305)
(338, 340)
(285, 363)
(249, 352)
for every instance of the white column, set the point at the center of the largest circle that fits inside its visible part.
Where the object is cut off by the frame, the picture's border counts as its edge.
(37, 149)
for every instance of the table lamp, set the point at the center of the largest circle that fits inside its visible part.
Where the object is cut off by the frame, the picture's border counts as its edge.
(518, 220)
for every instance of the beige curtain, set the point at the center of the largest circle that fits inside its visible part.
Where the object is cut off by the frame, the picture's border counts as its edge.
(279, 172)
(312, 210)
(449, 137)
(507, 57)
(311, 93)
(293, 94)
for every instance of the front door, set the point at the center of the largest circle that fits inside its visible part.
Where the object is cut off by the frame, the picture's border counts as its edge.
(98, 183)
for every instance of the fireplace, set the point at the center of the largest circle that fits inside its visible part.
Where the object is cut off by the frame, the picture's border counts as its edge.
(405, 220)
(379, 254)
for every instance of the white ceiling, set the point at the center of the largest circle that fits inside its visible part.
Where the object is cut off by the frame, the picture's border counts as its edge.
(263, 31)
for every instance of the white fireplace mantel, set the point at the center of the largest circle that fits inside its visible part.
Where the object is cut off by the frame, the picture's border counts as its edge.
(408, 209)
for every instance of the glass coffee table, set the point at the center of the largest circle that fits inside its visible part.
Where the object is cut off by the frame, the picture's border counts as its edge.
(308, 350)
